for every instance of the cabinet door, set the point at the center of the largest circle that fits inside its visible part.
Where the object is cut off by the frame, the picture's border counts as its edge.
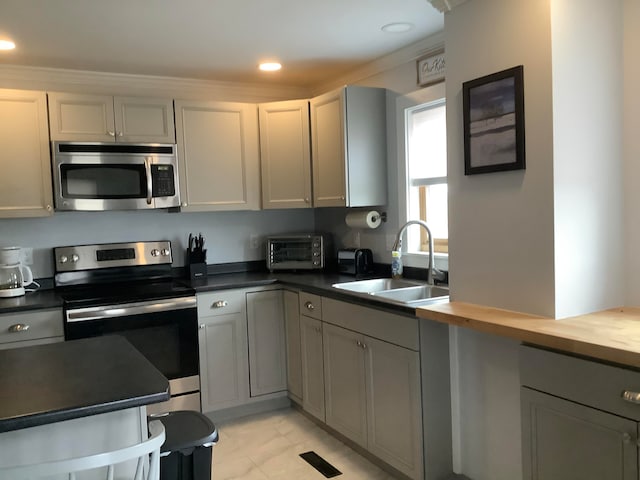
(568, 441)
(218, 155)
(147, 120)
(25, 184)
(81, 118)
(294, 354)
(265, 321)
(344, 382)
(224, 370)
(285, 154)
(312, 366)
(328, 150)
(394, 419)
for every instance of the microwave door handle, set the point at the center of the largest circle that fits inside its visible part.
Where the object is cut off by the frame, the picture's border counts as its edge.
(147, 168)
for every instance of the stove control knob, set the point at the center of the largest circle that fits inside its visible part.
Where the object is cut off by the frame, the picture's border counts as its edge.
(166, 252)
(74, 258)
(155, 252)
(64, 259)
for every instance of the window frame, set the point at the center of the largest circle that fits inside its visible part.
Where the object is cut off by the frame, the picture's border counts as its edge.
(431, 95)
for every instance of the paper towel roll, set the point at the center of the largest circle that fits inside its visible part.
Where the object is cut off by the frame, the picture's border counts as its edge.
(369, 219)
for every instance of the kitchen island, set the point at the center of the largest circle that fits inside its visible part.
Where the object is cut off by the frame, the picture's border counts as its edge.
(74, 398)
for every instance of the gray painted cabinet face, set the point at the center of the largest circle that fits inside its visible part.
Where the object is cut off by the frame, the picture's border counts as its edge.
(312, 367)
(294, 353)
(223, 345)
(285, 154)
(348, 147)
(25, 184)
(44, 326)
(265, 322)
(103, 118)
(344, 383)
(568, 441)
(218, 155)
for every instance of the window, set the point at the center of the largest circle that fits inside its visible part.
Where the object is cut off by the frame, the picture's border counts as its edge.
(426, 174)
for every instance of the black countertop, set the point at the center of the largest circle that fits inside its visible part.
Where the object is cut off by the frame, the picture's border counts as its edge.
(61, 381)
(318, 283)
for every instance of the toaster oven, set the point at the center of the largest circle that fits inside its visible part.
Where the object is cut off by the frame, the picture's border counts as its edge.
(295, 252)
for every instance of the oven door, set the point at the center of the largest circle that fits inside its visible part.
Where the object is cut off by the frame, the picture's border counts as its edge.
(165, 331)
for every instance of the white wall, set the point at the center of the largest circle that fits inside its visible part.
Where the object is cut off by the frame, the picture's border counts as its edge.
(587, 155)
(227, 234)
(631, 146)
(501, 224)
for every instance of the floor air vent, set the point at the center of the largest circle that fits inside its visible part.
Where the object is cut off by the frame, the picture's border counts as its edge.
(320, 464)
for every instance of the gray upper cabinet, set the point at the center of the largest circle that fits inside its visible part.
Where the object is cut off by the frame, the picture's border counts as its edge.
(104, 118)
(219, 159)
(25, 186)
(285, 154)
(348, 141)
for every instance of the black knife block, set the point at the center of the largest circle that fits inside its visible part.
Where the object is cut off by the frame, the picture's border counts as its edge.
(197, 271)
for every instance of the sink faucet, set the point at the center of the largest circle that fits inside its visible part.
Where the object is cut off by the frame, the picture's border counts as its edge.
(434, 273)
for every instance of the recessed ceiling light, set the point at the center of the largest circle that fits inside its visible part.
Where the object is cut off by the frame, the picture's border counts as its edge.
(270, 66)
(7, 45)
(398, 27)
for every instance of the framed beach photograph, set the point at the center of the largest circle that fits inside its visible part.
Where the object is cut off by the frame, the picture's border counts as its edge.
(493, 115)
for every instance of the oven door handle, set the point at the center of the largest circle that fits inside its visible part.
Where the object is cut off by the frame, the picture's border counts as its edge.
(127, 309)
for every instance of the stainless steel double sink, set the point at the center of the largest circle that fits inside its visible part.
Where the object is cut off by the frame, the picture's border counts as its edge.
(397, 291)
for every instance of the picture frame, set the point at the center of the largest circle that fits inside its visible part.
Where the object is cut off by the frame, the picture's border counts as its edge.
(493, 116)
(431, 68)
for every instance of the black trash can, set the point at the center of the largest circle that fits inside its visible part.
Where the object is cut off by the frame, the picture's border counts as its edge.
(188, 449)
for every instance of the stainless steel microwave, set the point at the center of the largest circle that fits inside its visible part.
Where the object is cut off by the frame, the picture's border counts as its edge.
(295, 252)
(114, 176)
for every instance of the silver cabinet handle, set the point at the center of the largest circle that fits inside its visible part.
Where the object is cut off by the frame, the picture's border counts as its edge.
(120, 134)
(110, 133)
(201, 326)
(309, 306)
(18, 327)
(361, 344)
(219, 304)
(318, 329)
(626, 438)
(631, 397)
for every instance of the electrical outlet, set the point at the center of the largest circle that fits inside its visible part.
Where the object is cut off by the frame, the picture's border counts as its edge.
(27, 255)
(254, 241)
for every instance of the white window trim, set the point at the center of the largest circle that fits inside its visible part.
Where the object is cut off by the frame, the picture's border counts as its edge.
(433, 94)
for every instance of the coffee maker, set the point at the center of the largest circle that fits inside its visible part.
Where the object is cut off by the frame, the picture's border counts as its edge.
(13, 275)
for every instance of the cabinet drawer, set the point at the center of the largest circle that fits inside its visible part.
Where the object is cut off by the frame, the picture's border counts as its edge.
(580, 380)
(391, 328)
(310, 305)
(221, 302)
(32, 325)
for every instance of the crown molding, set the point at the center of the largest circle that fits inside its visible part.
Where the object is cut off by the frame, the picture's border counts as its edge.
(445, 6)
(77, 81)
(407, 54)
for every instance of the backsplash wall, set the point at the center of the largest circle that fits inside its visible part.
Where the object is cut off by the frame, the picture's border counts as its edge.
(227, 234)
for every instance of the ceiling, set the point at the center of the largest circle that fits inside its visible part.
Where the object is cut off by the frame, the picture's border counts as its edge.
(211, 39)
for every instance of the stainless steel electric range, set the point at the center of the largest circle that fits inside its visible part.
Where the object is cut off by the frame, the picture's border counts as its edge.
(128, 289)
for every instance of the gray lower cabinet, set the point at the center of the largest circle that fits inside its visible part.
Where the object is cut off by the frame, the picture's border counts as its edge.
(242, 350)
(312, 367)
(568, 441)
(267, 361)
(292, 338)
(222, 335)
(372, 386)
(576, 423)
(344, 383)
(33, 327)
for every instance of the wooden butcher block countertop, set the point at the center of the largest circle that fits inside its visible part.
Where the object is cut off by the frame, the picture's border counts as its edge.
(612, 335)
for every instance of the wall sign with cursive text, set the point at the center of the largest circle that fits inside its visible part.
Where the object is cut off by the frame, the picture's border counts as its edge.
(431, 68)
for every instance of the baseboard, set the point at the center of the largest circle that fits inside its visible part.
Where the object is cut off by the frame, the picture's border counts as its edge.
(253, 408)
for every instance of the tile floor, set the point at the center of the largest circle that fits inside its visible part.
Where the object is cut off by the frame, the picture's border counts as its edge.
(266, 447)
